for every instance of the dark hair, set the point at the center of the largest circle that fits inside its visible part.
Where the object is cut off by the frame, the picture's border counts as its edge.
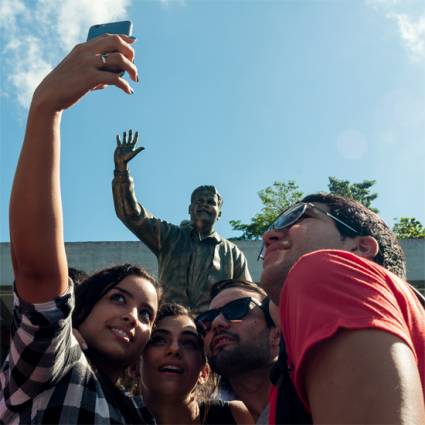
(171, 310)
(207, 188)
(367, 223)
(77, 275)
(236, 283)
(91, 290)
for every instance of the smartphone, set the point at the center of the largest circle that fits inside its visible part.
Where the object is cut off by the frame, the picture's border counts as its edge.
(122, 27)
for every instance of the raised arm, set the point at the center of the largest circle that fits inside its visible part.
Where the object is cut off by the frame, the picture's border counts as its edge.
(36, 225)
(128, 209)
(125, 201)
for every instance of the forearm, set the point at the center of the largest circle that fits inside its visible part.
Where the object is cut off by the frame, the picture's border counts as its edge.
(125, 201)
(132, 213)
(36, 225)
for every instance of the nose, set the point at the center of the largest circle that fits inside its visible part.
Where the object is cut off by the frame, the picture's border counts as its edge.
(131, 316)
(272, 235)
(220, 322)
(174, 349)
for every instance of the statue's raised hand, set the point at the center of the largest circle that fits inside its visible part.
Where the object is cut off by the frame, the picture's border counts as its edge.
(126, 150)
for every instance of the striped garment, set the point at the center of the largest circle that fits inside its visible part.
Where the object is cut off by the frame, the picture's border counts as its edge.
(46, 378)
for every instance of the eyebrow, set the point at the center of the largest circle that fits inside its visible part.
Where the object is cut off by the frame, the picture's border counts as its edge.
(130, 295)
(124, 291)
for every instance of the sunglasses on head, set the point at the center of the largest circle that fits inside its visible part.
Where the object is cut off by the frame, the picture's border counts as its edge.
(234, 310)
(294, 214)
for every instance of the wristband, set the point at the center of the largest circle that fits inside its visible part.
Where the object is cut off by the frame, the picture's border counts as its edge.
(121, 173)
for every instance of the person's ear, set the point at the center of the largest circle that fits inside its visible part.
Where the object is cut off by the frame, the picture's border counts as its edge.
(366, 247)
(189, 209)
(204, 374)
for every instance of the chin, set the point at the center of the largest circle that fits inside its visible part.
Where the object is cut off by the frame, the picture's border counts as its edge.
(272, 283)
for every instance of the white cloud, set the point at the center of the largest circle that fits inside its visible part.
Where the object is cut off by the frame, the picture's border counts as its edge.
(412, 33)
(37, 33)
(9, 11)
(409, 16)
(31, 69)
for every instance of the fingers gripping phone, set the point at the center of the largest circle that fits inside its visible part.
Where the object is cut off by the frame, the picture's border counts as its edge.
(121, 27)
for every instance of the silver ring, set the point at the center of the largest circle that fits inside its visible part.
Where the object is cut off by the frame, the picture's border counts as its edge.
(103, 56)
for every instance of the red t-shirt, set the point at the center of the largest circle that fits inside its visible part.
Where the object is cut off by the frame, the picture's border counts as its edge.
(329, 289)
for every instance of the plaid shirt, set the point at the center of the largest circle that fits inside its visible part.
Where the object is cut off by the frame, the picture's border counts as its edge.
(46, 378)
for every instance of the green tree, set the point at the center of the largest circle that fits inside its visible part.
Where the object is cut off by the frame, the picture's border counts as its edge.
(357, 191)
(409, 228)
(275, 199)
(281, 195)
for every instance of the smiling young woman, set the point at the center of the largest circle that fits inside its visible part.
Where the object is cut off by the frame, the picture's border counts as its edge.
(176, 379)
(47, 378)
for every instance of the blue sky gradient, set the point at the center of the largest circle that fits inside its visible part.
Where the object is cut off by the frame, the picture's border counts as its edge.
(237, 94)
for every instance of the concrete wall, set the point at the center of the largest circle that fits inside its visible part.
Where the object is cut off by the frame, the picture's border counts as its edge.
(415, 261)
(92, 256)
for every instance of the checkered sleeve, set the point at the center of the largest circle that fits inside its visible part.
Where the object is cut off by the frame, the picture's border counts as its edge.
(42, 348)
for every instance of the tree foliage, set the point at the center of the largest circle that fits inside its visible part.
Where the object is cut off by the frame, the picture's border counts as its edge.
(275, 199)
(409, 228)
(358, 191)
(281, 195)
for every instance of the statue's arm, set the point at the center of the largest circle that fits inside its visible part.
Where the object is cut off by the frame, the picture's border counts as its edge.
(136, 218)
(127, 208)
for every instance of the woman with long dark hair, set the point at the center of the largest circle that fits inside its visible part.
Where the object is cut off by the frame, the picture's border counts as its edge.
(47, 378)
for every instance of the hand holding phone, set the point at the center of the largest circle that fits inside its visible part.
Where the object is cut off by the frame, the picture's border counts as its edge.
(121, 27)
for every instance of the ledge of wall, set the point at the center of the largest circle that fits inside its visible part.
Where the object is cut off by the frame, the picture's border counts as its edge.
(92, 256)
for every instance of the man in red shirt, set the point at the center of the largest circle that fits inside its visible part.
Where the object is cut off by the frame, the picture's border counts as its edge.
(354, 329)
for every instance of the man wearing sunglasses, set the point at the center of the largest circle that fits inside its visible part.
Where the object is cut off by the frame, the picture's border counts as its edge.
(353, 328)
(241, 341)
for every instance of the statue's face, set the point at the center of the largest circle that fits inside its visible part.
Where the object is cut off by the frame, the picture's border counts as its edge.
(204, 210)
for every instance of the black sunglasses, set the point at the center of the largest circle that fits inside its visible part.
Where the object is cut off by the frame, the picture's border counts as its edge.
(295, 213)
(234, 310)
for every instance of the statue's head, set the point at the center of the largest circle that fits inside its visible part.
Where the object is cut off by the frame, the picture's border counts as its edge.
(205, 208)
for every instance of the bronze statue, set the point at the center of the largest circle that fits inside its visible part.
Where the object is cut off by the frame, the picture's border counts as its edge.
(192, 256)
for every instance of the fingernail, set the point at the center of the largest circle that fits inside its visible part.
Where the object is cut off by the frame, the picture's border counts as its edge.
(132, 37)
(84, 346)
(131, 91)
(137, 77)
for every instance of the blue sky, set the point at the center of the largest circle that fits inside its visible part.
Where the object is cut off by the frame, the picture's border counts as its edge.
(237, 94)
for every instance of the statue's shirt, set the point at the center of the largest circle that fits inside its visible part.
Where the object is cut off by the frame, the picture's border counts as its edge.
(187, 265)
